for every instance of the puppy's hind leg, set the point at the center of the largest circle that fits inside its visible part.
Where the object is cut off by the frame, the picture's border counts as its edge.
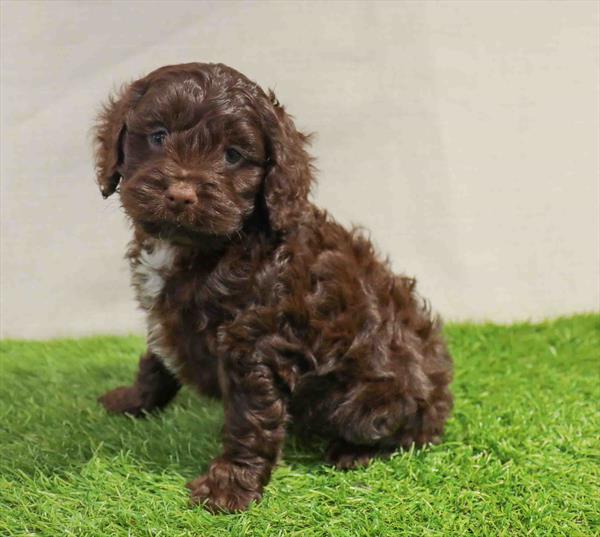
(154, 387)
(346, 456)
(378, 432)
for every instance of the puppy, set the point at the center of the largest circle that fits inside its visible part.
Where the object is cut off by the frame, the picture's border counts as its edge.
(254, 295)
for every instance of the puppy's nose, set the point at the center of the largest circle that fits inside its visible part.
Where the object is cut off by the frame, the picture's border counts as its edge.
(180, 195)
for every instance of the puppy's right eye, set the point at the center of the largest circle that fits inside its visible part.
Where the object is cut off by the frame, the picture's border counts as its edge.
(232, 156)
(158, 138)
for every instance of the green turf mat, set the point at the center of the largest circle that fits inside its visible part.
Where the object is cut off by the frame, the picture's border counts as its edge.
(521, 453)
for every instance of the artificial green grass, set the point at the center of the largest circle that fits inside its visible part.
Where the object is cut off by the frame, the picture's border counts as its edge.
(521, 453)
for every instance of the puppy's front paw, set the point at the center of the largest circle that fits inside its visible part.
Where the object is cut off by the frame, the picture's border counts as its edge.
(122, 400)
(222, 488)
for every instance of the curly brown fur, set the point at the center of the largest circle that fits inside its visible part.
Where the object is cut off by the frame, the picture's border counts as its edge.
(252, 293)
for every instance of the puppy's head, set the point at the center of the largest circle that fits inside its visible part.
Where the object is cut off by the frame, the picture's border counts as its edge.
(196, 149)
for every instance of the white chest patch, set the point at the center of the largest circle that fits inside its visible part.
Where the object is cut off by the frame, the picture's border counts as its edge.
(149, 272)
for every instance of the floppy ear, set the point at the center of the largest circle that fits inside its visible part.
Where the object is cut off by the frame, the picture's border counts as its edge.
(290, 172)
(108, 134)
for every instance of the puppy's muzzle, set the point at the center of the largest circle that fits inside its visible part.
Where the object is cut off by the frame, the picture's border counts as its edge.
(180, 196)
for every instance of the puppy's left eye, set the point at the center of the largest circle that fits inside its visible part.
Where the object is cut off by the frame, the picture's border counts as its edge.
(233, 156)
(158, 138)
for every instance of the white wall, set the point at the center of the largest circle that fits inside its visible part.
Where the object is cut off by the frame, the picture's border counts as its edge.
(465, 135)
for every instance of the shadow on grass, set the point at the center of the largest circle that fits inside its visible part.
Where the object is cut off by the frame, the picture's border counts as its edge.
(58, 427)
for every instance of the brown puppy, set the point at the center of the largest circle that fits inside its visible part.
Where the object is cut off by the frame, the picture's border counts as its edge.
(252, 293)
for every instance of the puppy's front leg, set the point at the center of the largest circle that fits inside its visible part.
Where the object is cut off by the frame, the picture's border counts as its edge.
(154, 387)
(255, 415)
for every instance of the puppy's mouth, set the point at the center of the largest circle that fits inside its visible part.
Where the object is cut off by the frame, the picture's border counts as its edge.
(181, 235)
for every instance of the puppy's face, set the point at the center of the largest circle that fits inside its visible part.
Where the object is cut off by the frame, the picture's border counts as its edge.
(193, 158)
(196, 148)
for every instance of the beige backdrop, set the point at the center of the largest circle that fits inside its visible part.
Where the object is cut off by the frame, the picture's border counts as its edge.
(464, 134)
